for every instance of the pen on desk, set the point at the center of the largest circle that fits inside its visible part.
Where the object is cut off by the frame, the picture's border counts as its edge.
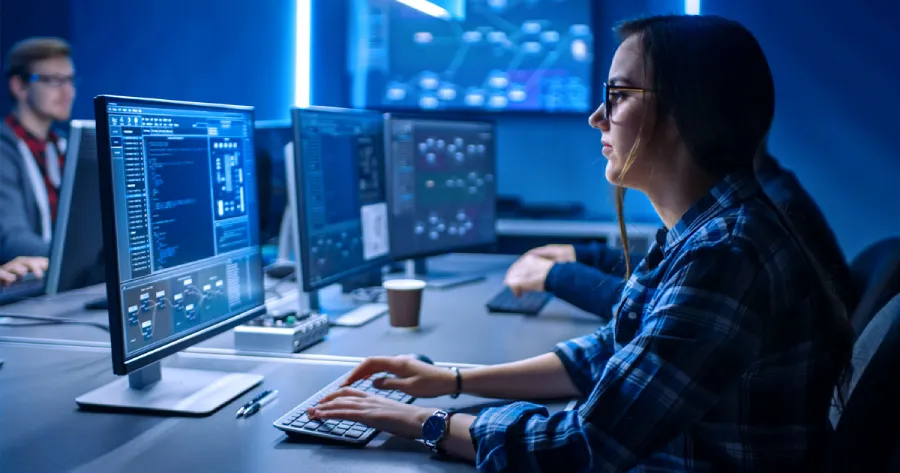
(243, 410)
(262, 402)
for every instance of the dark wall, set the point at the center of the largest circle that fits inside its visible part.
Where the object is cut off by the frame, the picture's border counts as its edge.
(20, 19)
(837, 69)
(227, 51)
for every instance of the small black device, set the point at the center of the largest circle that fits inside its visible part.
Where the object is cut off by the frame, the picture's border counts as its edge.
(529, 303)
(422, 358)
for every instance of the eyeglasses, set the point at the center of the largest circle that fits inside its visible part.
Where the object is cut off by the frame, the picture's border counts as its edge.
(615, 90)
(55, 81)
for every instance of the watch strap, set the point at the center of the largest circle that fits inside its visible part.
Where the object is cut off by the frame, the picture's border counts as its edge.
(455, 371)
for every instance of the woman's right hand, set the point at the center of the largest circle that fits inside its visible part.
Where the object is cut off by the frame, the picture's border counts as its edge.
(410, 376)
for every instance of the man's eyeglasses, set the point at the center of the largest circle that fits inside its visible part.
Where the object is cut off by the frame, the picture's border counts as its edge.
(53, 80)
(615, 91)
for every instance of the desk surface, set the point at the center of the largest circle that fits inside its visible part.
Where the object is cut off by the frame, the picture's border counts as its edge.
(43, 429)
(456, 327)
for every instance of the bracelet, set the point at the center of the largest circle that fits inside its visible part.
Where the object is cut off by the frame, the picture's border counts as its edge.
(455, 371)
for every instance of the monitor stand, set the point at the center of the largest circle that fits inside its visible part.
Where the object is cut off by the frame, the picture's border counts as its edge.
(418, 269)
(344, 313)
(181, 392)
(101, 303)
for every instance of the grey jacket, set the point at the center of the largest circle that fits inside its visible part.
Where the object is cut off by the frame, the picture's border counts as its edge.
(21, 225)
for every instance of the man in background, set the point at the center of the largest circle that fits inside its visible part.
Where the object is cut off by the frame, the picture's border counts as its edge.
(40, 76)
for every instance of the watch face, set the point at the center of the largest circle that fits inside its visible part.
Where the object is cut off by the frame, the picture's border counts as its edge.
(434, 428)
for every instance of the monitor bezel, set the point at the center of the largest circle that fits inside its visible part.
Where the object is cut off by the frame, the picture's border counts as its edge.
(66, 194)
(594, 99)
(299, 211)
(399, 255)
(122, 363)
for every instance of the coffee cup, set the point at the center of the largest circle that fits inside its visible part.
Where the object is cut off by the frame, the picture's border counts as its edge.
(404, 298)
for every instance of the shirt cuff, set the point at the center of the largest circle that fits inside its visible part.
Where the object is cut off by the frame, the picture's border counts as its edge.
(493, 430)
(552, 279)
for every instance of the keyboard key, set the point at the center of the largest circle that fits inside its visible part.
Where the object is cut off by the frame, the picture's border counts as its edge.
(353, 434)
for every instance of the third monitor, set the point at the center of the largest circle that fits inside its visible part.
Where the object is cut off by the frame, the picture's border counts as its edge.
(442, 189)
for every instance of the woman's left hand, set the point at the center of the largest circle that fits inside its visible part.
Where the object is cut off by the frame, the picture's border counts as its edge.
(400, 419)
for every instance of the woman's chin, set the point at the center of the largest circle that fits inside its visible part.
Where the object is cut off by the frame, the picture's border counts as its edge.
(613, 174)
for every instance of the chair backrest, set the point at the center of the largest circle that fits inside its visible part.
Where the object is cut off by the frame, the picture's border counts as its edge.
(876, 274)
(867, 431)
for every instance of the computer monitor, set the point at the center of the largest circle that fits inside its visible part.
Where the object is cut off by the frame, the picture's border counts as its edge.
(271, 138)
(76, 253)
(442, 189)
(336, 186)
(181, 240)
(480, 56)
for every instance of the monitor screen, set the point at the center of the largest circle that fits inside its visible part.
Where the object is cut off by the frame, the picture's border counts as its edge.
(339, 187)
(271, 138)
(484, 56)
(186, 220)
(442, 176)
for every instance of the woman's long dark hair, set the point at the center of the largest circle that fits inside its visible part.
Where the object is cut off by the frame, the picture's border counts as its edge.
(711, 78)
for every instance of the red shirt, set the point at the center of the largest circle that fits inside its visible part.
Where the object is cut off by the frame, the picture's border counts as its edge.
(38, 149)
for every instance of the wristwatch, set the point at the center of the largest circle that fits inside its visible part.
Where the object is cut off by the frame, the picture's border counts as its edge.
(435, 428)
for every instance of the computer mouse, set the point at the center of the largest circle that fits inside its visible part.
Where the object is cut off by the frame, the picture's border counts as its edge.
(422, 358)
(280, 270)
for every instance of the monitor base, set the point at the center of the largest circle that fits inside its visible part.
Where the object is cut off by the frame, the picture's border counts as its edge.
(183, 392)
(418, 269)
(355, 316)
(97, 304)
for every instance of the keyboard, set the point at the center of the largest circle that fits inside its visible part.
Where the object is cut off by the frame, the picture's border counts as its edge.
(28, 286)
(530, 303)
(297, 423)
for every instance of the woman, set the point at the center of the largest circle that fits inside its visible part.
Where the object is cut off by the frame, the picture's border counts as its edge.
(726, 344)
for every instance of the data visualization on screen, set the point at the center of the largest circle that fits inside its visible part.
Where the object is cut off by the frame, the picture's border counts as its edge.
(340, 188)
(186, 216)
(486, 56)
(442, 185)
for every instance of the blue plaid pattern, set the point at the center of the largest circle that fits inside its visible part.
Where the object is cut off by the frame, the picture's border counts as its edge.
(715, 359)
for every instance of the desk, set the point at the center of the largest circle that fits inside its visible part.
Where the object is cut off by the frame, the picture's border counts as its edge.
(448, 318)
(43, 430)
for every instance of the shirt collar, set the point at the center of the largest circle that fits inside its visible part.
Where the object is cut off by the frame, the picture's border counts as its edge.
(725, 194)
(13, 121)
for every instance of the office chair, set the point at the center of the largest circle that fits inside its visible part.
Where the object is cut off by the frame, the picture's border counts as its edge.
(866, 434)
(876, 275)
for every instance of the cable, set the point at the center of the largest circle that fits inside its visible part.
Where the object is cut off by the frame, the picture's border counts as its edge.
(47, 320)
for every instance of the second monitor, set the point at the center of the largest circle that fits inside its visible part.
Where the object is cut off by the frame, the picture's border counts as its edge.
(337, 189)
(441, 188)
